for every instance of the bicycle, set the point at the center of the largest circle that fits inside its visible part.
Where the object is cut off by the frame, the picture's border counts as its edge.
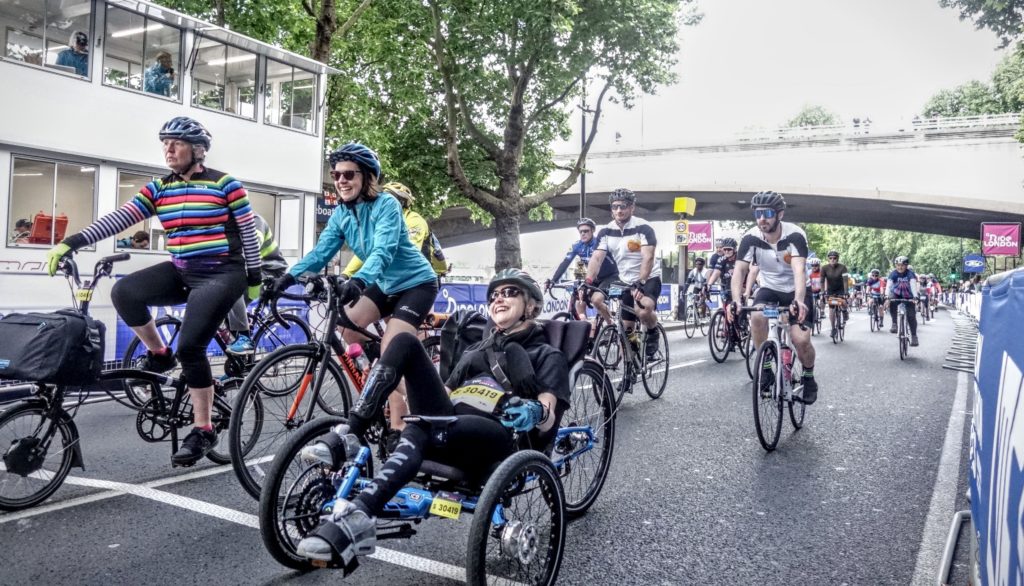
(696, 311)
(776, 384)
(519, 511)
(616, 349)
(819, 303)
(875, 319)
(837, 316)
(30, 427)
(925, 307)
(270, 332)
(725, 337)
(902, 327)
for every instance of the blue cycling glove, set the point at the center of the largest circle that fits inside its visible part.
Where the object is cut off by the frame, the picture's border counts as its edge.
(523, 416)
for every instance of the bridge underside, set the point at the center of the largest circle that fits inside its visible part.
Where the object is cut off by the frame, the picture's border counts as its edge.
(872, 210)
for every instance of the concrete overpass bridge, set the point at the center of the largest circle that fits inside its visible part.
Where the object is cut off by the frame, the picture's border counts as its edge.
(939, 177)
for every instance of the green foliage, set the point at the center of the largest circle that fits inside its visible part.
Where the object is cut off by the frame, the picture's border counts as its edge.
(863, 249)
(1003, 17)
(973, 98)
(813, 116)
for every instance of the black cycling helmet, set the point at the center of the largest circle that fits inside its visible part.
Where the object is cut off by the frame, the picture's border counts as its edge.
(586, 222)
(768, 199)
(188, 130)
(729, 243)
(359, 154)
(699, 260)
(524, 281)
(901, 260)
(622, 194)
(832, 253)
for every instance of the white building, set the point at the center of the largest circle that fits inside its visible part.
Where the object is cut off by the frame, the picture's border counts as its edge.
(78, 129)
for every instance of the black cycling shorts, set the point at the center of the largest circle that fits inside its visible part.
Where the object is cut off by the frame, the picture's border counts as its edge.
(411, 305)
(651, 289)
(764, 295)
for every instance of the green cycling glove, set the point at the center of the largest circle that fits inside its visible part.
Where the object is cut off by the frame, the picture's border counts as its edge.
(252, 292)
(53, 257)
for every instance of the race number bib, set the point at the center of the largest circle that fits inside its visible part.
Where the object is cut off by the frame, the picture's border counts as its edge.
(482, 393)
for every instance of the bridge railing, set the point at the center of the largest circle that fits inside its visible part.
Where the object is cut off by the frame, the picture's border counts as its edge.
(919, 124)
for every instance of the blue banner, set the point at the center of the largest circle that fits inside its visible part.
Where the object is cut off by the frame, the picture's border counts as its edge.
(325, 205)
(974, 263)
(997, 433)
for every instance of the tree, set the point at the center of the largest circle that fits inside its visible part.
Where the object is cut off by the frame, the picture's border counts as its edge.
(813, 116)
(973, 98)
(1003, 17)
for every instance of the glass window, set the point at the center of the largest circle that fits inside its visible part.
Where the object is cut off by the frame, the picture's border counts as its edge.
(49, 200)
(149, 235)
(290, 96)
(224, 78)
(50, 33)
(141, 54)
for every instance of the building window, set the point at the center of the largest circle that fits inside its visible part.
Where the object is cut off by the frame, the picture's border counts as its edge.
(141, 54)
(290, 95)
(49, 200)
(149, 235)
(224, 79)
(55, 35)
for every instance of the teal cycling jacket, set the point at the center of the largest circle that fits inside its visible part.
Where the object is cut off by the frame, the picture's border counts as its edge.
(376, 233)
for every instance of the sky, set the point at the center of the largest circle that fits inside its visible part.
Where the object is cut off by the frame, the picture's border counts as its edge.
(757, 63)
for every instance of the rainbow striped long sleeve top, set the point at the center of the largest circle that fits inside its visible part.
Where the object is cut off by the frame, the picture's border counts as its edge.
(206, 217)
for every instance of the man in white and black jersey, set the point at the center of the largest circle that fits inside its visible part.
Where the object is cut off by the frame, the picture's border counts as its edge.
(631, 242)
(780, 250)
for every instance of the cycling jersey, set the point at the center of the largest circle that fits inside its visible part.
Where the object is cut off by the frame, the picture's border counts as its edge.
(418, 231)
(876, 286)
(376, 233)
(835, 282)
(698, 276)
(624, 245)
(583, 251)
(270, 252)
(725, 267)
(901, 285)
(774, 262)
(814, 278)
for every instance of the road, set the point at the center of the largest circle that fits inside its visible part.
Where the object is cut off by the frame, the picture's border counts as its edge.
(691, 497)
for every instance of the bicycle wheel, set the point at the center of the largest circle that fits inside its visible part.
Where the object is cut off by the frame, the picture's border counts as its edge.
(690, 322)
(34, 466)
(582, 459)
(797, 409)
(749, 355)
(167, 328)
(517, 534)
(272, 403)
(608, 349)
(842, 329)
(873, 317)
(702, 321)
(272, 334)
(221, 419)
(293, 495)
(433, 348)
(902, 333)
(655, 368)
(719, 341)
(767, 403)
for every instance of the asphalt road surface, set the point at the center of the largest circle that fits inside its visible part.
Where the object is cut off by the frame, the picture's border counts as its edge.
(863, 494)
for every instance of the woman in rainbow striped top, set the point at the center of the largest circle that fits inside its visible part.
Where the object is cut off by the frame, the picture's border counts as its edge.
(214, 256)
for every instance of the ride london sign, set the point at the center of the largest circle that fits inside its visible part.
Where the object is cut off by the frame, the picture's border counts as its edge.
(1000, 239)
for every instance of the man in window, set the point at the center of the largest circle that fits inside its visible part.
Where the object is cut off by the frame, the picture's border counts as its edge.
(140, 240)
(22, 230)
(159, 76)
(77, 54)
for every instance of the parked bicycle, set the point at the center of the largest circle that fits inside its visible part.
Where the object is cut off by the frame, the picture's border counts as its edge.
(40, 435)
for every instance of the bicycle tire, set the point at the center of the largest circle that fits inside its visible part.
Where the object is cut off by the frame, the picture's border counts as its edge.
(260, 414)
(767, 407)
(12, 433)
(655, 374)
(432, 345)
(270, 335)
(720, 340)
(168, 328)
(609, 350)
(797, 409)
(593, 406)
(220, 417)
(902, 336)
(702, 323)
(750, 355)
(690, 322)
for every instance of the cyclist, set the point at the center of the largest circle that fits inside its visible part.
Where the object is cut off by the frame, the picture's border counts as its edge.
(414, 223)
(631, 242)
(582, 250)
(902, 284)
(779, 249)
(214, 256)
(716, 255)
(481, 434)
(696, 282)
(876, 289)
(274, 265)
(835, 280)
(814, 278)
(723, 269)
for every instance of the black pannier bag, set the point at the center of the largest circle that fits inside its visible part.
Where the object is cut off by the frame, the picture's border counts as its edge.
(63, 348)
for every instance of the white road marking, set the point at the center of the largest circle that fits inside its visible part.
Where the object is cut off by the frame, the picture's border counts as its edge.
(683, 365)
(941, 508)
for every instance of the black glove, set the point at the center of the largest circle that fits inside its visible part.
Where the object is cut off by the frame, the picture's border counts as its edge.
(283, 282)
(254, 278)
(350, 291)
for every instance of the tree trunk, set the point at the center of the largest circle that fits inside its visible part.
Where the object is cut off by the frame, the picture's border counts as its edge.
(220, 13)
(507, 252)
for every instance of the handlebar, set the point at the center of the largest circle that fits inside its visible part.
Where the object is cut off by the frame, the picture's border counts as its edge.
(321, 288)
(782, 310)
(103, 267)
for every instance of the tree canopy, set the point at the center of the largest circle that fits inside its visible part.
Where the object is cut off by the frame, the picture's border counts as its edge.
(813, 116)
(1003, 17)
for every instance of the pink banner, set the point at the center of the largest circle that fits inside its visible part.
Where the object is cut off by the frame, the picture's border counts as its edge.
(702, 237)
(1000, 239)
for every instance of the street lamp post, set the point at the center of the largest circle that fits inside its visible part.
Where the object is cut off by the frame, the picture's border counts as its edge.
(583, 145)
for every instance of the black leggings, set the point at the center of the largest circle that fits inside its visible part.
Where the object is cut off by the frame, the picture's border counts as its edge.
(911, 314)
(474, 443)
(207, 297)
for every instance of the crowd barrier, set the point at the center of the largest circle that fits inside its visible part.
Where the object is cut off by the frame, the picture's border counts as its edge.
(996, 475)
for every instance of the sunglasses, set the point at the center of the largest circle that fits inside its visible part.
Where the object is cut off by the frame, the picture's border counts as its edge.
(506, 292)
(768, 213)
(620, 206)
(348, 175)
(585, 230)
(728, 250)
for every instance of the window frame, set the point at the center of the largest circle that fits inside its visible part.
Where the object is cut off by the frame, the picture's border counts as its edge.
(117, 204)
(145, 24)
(314, 112)
(15, 156)
(257, 83)
(90, 29)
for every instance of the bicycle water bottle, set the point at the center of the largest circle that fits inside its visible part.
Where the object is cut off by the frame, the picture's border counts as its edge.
(355, 352)
(787, 364)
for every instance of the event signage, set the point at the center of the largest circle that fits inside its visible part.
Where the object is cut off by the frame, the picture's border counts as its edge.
(325, 205)
(974, 263)
(702, 237)
(1000, 239)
